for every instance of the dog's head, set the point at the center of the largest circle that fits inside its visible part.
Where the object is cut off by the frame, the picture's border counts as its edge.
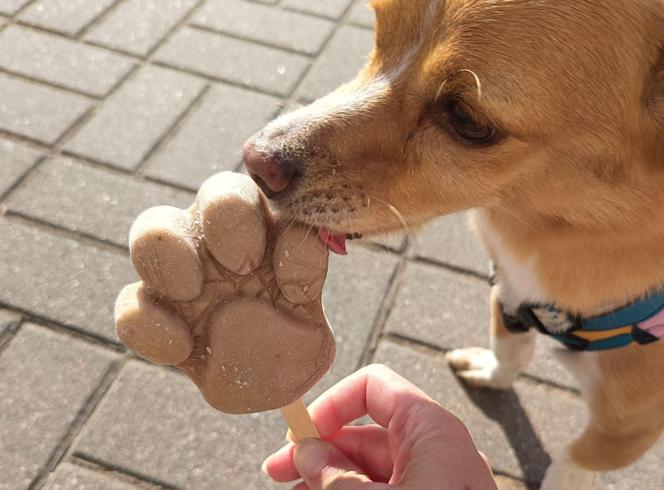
(556, 108)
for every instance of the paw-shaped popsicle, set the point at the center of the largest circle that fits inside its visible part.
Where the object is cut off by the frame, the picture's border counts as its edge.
(231, 295)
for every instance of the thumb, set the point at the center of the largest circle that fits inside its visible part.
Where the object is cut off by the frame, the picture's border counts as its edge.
(324, 467)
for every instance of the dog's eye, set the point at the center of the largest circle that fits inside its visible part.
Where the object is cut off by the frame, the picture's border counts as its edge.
(466, 127)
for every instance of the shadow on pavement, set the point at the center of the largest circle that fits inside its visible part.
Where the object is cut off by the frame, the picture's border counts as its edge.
(504, 407)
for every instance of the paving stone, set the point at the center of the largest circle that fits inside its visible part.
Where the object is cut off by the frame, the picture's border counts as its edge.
(57, 60)
(449, 310)
(38, 112)
(340, 62)
(440, 308)
(155, 423)
(354, 292)
(15, 160)
(362, 14)
(10, 7)
(450, 241)
(8, 320)
(265, 24)
(61, 279)
(62, 187)
(45, 380)
(507, 483)
(65, 16)
(516, 429)
(234, 60)
(128, 125)
(72, 477)
(211, 137)
(329, 8)
(644, 474)
(137, 26)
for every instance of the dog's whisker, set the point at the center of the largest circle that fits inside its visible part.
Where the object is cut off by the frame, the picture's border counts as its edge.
(477, 81)
(440, 91)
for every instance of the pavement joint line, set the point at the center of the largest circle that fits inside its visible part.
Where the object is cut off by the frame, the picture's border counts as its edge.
(174, 28)
(450, 267)
(97, 20)
(214, 79)
(387, 304)
(179, 187)
(53, 85)
(382, 247)
(26, 140)
(436, 351)
(212, 30)
(112, 474)
(65, 330)
(66, 443)
(22, 8)
(124, 471)
(7, 337)
(172, 130)
(316, 15)
(83, 238)
(292, 97)
(19, 182)
(530, 485)
(143, 61)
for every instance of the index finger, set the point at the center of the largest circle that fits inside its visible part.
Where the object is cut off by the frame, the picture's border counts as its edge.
(375, 390)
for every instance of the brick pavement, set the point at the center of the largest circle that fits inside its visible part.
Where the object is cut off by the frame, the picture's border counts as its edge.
(110, 106)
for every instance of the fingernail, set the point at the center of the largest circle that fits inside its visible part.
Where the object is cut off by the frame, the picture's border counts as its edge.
(264, 467)
(311, 456)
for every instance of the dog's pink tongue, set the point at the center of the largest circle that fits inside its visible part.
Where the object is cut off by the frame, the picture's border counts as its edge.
(334, 241)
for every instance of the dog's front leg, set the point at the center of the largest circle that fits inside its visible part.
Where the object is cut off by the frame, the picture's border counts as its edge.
(509, 355)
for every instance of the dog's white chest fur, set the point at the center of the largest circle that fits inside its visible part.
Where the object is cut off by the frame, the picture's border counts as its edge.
(518, 279)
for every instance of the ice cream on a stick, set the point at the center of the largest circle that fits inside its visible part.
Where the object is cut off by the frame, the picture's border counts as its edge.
(231, 296)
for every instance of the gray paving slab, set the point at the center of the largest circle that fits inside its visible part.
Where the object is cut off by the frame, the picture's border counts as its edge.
(353, 296)
(507, 483)
(137, 26)
(45, 380)
(155, 423)
(15, 161)
(440, 308)
(54, 59)
(237, 61)
(516, 429)
(8, 320)
(449, 310)
(72, 477)
(280, 28)
(645, 473)
(450, 241)
(362, 14)
(64, 16)
(59, 278)
(130, 123)
(339, 62)
(38, 112)
(329, 8)
(62, 187)
(211, 137)
(10, 7)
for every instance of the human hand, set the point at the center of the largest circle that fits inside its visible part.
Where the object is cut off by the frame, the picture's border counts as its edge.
(416, 444)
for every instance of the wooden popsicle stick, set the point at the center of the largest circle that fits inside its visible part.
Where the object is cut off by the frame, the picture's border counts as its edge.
(300, 423)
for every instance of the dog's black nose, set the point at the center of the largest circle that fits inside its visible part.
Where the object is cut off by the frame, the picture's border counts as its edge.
(267, 170)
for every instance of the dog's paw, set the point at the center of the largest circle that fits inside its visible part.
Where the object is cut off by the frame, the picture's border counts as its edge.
(479, 367)
(231, 296)
(565, 474)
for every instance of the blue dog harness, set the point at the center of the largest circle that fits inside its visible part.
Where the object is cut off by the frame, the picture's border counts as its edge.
(640, 322)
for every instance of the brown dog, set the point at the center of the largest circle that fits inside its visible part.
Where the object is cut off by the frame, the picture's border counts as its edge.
(548, 119)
